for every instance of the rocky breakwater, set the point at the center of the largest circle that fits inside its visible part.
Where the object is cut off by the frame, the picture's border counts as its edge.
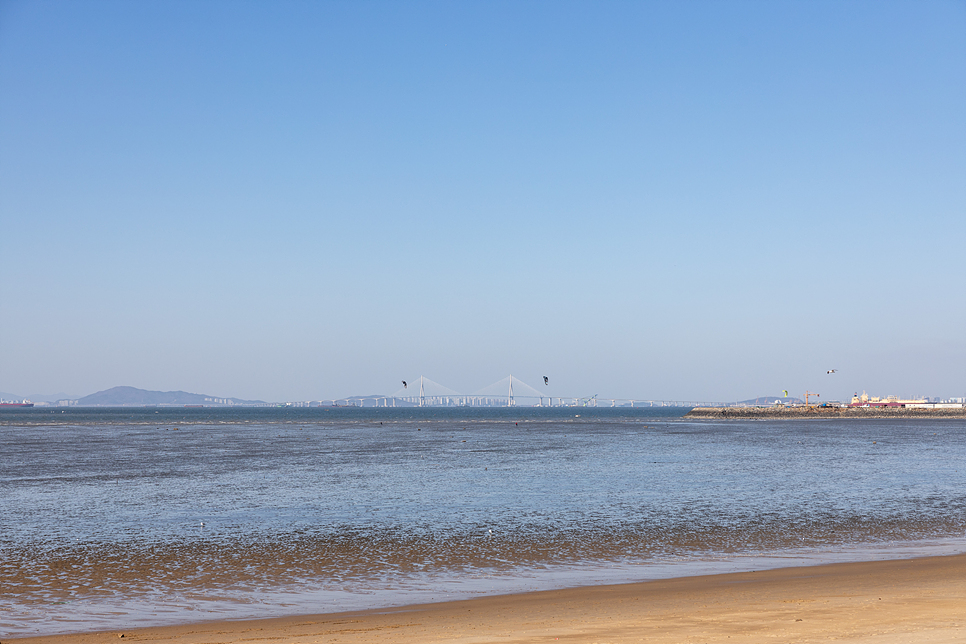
(801, 411)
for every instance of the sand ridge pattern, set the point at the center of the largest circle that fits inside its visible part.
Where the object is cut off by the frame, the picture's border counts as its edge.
(35, 574)
(886, 602)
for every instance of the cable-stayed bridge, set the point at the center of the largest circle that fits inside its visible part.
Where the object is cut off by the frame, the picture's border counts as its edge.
(506, 392)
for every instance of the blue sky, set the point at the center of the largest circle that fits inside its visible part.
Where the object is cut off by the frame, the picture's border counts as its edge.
(301, 200)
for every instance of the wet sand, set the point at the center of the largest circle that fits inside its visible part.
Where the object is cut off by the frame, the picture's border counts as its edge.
(881, 602)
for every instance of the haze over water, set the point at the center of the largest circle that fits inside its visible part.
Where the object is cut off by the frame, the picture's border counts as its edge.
(312, 510)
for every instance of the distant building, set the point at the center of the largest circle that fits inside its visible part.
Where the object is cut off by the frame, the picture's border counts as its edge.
(889, 401)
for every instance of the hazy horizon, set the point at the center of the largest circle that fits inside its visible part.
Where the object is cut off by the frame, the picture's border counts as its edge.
(523, 396)
(305, 201)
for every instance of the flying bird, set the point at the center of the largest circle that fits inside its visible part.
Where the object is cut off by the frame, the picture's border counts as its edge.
(831, 371)
(546, 380)
(405, 386)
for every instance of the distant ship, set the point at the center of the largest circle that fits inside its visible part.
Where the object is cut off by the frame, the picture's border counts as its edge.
(16, 404)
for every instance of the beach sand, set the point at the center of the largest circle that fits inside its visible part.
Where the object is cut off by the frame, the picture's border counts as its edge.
(882, 602)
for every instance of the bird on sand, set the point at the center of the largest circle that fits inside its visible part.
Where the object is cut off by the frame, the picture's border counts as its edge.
(546, 380)
(405, 386)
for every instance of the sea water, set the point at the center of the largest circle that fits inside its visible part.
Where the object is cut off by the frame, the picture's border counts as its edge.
(115, 518)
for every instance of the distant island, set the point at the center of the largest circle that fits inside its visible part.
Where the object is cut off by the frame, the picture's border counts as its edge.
(134, 397)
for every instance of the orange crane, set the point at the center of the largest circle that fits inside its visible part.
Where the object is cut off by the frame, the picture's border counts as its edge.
(807, 394)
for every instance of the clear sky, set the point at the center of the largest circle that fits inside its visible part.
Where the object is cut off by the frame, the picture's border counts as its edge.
(305, 200)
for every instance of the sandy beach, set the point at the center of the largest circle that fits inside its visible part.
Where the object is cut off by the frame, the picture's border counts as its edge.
(911, 600)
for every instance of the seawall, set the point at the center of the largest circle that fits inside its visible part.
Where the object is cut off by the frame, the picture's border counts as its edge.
(824, 412)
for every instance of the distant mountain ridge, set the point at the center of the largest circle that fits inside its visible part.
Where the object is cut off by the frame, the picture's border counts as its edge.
(8, 397)
(771, 400)
(129, 396)
(50, 398)
(44, 398)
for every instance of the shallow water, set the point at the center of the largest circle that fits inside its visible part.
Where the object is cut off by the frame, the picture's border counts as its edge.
(330, 509)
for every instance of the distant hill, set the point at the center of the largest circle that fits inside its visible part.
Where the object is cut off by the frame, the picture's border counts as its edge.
(129, 396)
(771, 400)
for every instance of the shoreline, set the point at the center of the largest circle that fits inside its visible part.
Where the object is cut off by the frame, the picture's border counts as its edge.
(824, 412)
(887, 601)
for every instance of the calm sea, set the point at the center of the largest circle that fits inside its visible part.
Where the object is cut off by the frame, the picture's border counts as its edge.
(117, 518)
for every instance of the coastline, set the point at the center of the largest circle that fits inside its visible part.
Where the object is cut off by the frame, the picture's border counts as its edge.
(887, 601)
(824, 412)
